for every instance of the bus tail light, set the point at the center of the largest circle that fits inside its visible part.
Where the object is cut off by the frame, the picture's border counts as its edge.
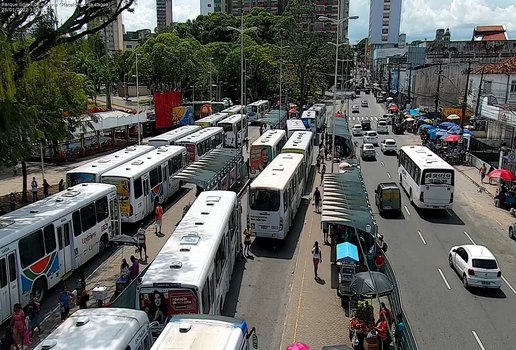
(422, 197)
(451, 197)
(281, 224)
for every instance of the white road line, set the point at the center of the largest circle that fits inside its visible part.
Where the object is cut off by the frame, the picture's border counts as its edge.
(478, 340)
(421, 236)
(469, 237)
(499, 223)
(509, 285)
(406, 209)
(444, 278)
(389, 175)
(382, 163)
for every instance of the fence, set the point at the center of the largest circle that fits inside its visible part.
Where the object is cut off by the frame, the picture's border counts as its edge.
(408, 341)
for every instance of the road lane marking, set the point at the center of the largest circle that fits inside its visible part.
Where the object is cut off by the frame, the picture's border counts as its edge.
(421, 236)
(389, 175)
(382, 163)
(444, 278)
(406, 209)
(499, 223)
(469, 237)
(478, 340)
(508, 285)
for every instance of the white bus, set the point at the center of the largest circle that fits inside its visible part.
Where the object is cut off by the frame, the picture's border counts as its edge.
(265, 149)
(201, 332)
(275, 195)
(301, 142)
(427, 178)
(257, 110)
(191, 273)
(211, 120)
(235, 130)
(294, 125)
(41, 243)
(320, 109)
(170, 137)
(101, 329)
(201, 142)
(310, 120)
(92, 171)
(236, 109)
(146, 181)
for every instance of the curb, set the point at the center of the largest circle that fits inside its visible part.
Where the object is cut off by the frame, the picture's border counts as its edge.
(474, 182)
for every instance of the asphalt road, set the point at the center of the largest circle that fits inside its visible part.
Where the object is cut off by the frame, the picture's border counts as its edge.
(443, 314)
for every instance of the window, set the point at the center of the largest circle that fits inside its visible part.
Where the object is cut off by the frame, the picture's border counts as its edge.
(265, 200)
(102, 209)
(488, 87)
(3, 273)
(154, 177)
(138, 191)
(50, 239)
(513, 88)
(32, 249)
(385, 31)
(77, 229)
(88, 217)
(175, 164)
(487, 264)
(206, 297)
(12, 268)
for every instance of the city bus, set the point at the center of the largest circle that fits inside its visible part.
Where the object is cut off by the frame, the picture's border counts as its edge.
(235, 130)
(320, 108)
(301, 142)
(201, 142)
(294, 125)
(275, 195)
(170, 137)
(257, 110)
(101, 328)
(191, 273)
(236, 109)
(92, 171)
(43, 242)
(310, 120)
(201, 332)
(146, 181)
(265, 149)
(427, 178)
(211, 120)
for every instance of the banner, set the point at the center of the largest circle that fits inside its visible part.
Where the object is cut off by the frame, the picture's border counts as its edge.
(164, 104)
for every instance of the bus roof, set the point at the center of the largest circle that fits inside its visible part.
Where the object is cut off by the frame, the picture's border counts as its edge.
(309, 114)
(176, 134)
(425, 158)
(200, 230)
(142, 164)
(270, 137)
(110, 161)
(215, 117)
(277, 174)
(18, 223)
(97, 328)
(300, 140)
(233, 109)
(200, 135)
(200, 332)
(295, 123)
(235, 118)
(259, 102)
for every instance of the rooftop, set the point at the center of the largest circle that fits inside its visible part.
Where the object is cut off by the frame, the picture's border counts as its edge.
(489, 33)
(507, 66)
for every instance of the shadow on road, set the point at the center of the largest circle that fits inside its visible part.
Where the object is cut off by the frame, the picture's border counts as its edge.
(448, 217)
(392, 215)
(231, 302)
(488, 293)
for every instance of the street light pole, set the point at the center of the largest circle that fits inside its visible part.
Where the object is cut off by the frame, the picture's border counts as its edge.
(280, 76)
(211, 60)
(138, 99)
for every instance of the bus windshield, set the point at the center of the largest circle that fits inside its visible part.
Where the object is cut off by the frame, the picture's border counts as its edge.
(437, 177)
(265, 200)
(226, 127)
(80, 178)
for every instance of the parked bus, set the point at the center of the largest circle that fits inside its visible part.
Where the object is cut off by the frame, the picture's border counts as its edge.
(46, 240)
(294, 125)
(310, 120)
(427, 178)
(257, 110)
(101, 328)
(301, 142)
(92, 171)
(201, 332)
(235, 130)
(236, 109)
(320, 108)
(201, 142)
(265, 149)
(191, 273)
(205, 108)
(146, 181)
(275, 195)
(170, 137)
(211, 120)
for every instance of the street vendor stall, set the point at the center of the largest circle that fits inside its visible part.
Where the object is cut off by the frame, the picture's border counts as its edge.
(347, 260)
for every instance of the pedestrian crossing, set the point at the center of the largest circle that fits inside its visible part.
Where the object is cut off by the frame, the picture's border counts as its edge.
(359, 118)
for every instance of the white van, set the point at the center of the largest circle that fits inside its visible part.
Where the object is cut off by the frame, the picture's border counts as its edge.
(382, 127)
(101, 328)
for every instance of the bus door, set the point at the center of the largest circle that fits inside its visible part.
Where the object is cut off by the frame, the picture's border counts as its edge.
(114, 217)
(66, 246)
(167, 181)
(8, 284)
(148, 205)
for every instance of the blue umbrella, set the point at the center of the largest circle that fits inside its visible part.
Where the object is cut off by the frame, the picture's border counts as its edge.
(447, 125)
(467, 132)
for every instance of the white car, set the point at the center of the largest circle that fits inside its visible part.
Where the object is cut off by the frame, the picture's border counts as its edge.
(364, 103)
(357, 130)
(388, 145)
(355, 109)
(371, 137)
(367, 151)
(476, 265)
(382, 127)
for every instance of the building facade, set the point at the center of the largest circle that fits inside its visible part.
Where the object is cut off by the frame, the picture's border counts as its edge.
(276, 7)
(164, 14)
(113, 34)
(384, 21)
(132, 39)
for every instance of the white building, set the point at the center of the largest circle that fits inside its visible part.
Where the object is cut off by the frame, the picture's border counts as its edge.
(384, 21)
(113, 34)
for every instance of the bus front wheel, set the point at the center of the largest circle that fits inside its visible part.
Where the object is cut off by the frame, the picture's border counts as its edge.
(103, 244)
(39, 288)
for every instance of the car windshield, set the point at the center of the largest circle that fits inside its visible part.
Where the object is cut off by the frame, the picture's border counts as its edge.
(371, 134)
(368, 147)
(390, 143)
(265, 200)
(382, 123)
(487, 264)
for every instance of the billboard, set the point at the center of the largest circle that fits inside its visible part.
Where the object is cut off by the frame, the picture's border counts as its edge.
(164, 104)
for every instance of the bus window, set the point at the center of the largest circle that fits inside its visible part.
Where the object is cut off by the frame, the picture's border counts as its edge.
(206, 297)
(32, 248)
(265, 200)
(88, 217)
(12, 268)
(3, 273)
(50, 239)
(76, 217)
(154, 177)
(102, 209)
(138, 190)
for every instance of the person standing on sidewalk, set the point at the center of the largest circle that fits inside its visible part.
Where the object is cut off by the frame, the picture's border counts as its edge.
(323, 171)
(33, 313)
(316, 258)
(247, 241)
(34, 188)
(61, 185)
(159, 217)
(142, 246)
(482, 171)
(326, 230)
(317, 200)
(399, 331)
(64, 303)
(46, 186)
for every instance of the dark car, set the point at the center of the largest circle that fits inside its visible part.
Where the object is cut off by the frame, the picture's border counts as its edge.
(388, 197)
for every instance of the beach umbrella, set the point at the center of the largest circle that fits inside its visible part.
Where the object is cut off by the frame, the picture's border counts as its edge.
(298, 346)
(393, 108)
(345, 165)
(293, 110)
(453, 117)
(447, 125)
(504, 174)
(467, 132)
(451, 138)
(362, 284)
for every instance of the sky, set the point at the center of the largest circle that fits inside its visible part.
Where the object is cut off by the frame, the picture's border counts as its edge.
(420, 18)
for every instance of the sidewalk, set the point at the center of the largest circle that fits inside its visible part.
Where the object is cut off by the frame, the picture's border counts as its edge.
(473, 175)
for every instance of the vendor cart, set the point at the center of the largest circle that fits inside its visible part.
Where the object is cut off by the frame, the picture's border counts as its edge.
(347, 260)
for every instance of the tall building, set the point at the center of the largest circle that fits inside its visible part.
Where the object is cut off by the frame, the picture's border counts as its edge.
(384, 21)
(164, 13)
(113, 34)
(210, 6)
(276, 7)
(329, 8)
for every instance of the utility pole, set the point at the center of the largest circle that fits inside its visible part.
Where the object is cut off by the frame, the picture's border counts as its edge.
(465, 102)
(438, 88)
(479, 92)
(398, 94)
(410, 86)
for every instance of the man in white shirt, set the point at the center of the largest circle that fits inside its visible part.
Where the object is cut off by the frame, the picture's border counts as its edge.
(34, 187)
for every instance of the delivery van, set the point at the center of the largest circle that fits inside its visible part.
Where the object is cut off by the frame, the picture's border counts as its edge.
(388, 197)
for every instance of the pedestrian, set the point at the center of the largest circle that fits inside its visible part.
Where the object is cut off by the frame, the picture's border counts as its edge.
(83, 299)
(316, 257)
(18, 325)
(12, 201)
(317, 200)
(325, 230)
(247, 241)
(46, 187)
(381, 245)
(158, 218)
(134, 269)
(61, 185)
(80, 284)
(399, 331)
(323, 171)
(124, 269)
(379, 261)
(6, 343)
(482, 171)
(318, 164)
(326, 151)
(34, 188)
(142, 246)
(383, 333)
(386, 313)
(33, 313)
(64, 303)
(321, 151)
(261, 129)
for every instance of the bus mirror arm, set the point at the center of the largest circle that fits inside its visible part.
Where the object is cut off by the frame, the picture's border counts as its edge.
(153, 324)
(255, 337)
